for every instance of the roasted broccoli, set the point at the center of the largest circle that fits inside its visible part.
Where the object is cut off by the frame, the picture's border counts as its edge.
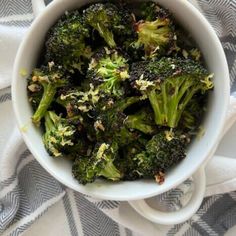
(126, 27)
(156, 37)
(152, 158)
(184, 46)
(59, 134)
(125, 161)
(193, 114)
(109, 69)
(35, 93)
(153, 33)
(150, 11)
(107, 19)
(100, 163)
(162, 152)
(120, 90)
(142, 120)
(77, 101)
(107, 114)
(49, 78)
(109, 122)
(170, 83)
(64, 136)
(65, 42)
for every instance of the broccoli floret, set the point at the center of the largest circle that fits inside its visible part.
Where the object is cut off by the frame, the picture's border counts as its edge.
(150, 11)
(59, 134)
(193, 114)
(100, 163)
(85, 103)
(50, 78)
(109, 69)
(170, 83)
(142, 120)
(162, 152)
(108, 20)
(65, 42)
(125, 28)
(156, 37)
(152, 158)
(184, 46)
(77, 101)
(109, 122)
(125, 162)
(63, 137)
(80, 103)
(103, 18)
(35, 93)
(106, 113)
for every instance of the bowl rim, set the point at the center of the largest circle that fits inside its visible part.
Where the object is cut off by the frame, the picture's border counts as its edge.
(78, 187)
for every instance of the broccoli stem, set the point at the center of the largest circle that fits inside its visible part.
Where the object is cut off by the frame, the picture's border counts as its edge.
(158, 115)
(47, 98)
(127, 102)
(106, 34)
(136, 122)
(112, 85)
(168, 108)
(48, 122)
(183, 94)
(111, 172)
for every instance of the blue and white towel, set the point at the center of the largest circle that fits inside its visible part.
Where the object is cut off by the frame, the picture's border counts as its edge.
(34, 203)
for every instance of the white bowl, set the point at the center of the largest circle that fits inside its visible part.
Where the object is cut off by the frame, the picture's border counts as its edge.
(200, 150)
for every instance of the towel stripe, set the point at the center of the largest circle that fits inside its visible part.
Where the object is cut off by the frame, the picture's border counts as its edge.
(22, 24)
(19, 227)
(5, 97)
(12, 7)
(94, 221)
(107, 204)
(9, 180)
(69, 214)
(128, 232)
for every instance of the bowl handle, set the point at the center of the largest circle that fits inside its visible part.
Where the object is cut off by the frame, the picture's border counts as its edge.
(179, 216)
(38, 6)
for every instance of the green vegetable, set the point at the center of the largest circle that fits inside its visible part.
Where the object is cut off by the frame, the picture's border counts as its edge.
(109, 68)
(50, 78)
(66, 42)
(155, 36)
(64, 137)
(100, 163)
(142, 120)
(170, 84)
(108, 19)
(59, 134)
(150, 11)
(120, 91)
(109, 124)
(163, 151)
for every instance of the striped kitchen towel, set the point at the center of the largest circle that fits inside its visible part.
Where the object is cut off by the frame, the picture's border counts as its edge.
(28, 193)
